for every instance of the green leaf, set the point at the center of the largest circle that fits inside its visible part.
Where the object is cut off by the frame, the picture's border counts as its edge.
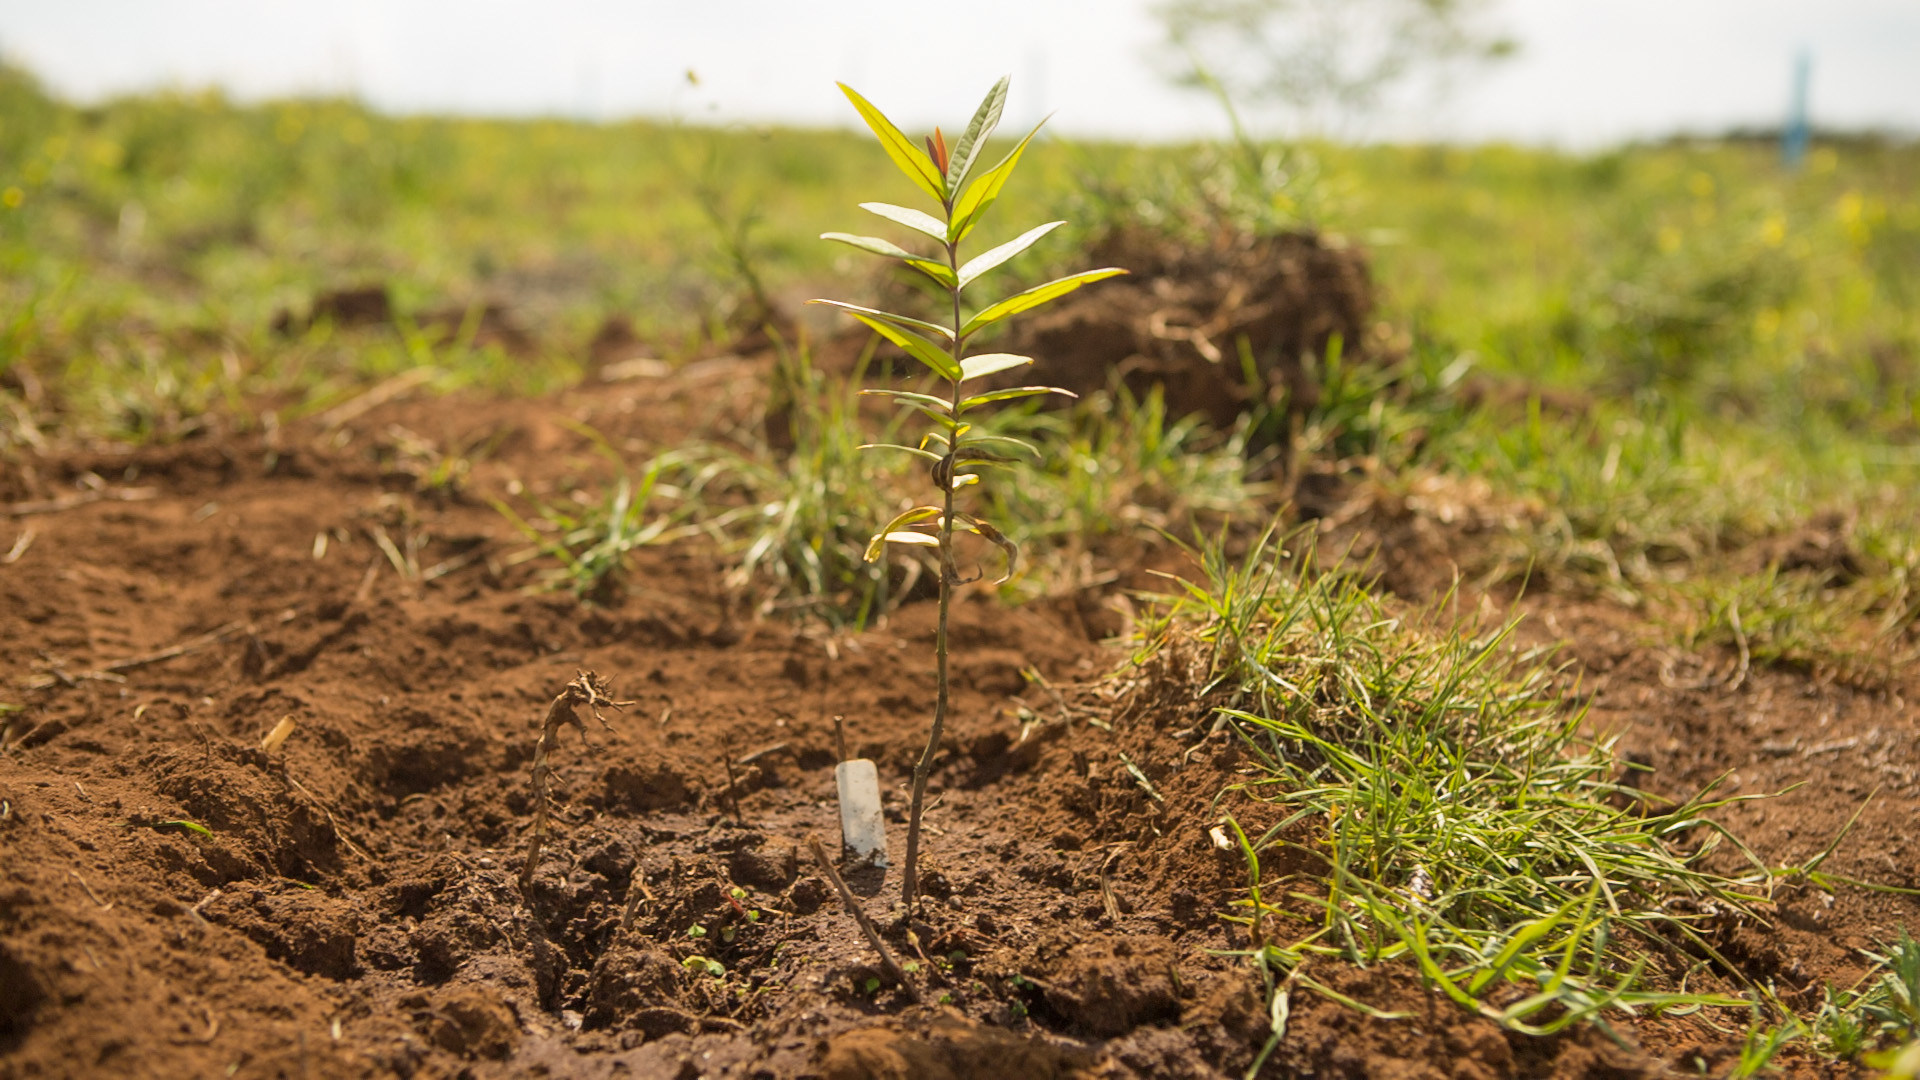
(912, 160)
(911, 218)
(1011, 393)
(916, 346)
(905, 397)
(928, 454)
(940, 417)
(904, 322)
(910, 517)
(192, 826)
(975, 367)
(1009, 440)
(878, 545)
(985, 119)
(981, 194)
(987, 260)
(938, 271)
(1034, 297)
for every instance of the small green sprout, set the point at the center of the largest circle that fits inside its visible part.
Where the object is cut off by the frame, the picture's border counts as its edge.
(871, 986)
(182, 823)
(702, 964)
(696, 931)
(956, 450)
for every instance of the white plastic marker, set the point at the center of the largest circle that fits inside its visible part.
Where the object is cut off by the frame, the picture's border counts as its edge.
(862, 827)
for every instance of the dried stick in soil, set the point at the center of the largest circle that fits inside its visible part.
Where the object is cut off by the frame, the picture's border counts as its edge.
(586, 689)
(891, 969)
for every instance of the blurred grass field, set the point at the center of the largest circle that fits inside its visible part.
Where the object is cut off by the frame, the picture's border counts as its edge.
(1673, 351)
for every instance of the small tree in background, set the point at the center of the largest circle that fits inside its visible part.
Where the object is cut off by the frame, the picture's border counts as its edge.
(1326, 60)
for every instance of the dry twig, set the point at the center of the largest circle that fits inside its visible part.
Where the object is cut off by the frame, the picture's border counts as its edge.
(859, 914)
(586, 689)
(111, 672)
(69, 502)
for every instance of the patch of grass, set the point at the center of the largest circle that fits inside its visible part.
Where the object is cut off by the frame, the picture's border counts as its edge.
(1118, 466)
(1465, 821)
(592, 538)
(1882, 1009)
(801, 512)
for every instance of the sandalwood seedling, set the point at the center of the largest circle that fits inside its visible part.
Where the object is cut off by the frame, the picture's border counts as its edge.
(589, 690)
(955, 449)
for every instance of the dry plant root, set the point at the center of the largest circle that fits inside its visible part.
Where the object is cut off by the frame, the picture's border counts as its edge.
(586, 689)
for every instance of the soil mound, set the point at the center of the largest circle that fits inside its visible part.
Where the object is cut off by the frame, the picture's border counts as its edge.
(1198, 322)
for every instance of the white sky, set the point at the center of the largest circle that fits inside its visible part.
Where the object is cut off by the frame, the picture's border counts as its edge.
(1590, 73)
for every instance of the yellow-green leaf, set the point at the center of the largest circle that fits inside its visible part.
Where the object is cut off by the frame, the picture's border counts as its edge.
(1034, 297)
(923, 539)
(938, 271)
(910, 158)
(982, 192)
(999, 539)
(906, 397)
(910, 517)
(905, 322)
(993, 257)
(985, 119)
(919, 220)
(916, 346)
(976, 367)
(1013, 392)
(928, 454)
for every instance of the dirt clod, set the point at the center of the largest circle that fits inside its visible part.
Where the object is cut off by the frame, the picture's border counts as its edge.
(1108, 988)
(948, 1051)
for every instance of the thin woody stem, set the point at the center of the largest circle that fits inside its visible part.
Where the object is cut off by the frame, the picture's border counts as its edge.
(910, 878)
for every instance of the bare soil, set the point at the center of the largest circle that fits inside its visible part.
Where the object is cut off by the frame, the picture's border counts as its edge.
(347, 904)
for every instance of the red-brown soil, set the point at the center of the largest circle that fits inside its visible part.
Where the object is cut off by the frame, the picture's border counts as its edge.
(351, 908)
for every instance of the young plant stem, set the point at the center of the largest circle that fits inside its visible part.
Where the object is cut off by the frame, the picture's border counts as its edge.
(910, 879)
